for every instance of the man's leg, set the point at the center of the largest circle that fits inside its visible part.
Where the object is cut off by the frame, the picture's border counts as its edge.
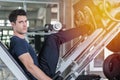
(49, 55)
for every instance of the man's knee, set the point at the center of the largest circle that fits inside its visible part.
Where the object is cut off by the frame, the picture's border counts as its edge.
(51, 38)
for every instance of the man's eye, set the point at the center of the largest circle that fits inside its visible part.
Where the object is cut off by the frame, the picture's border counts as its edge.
(20, 21)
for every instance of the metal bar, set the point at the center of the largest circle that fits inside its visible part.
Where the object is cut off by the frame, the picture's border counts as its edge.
(11, 64)
(78, 51)
(99, 45)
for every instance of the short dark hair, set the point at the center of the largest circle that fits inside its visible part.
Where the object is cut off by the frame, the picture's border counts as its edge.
(13, 15)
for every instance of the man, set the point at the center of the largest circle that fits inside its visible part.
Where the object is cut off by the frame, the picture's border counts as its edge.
(42, 67)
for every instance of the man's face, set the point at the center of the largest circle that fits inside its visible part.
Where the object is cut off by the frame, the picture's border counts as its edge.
(20, 26)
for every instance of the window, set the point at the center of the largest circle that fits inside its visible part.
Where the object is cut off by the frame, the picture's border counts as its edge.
(8, 23)
(2, 23)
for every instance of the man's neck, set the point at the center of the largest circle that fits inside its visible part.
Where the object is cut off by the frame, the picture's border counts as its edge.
(20, 35)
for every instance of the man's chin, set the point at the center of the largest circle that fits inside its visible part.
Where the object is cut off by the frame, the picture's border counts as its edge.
(23, 33)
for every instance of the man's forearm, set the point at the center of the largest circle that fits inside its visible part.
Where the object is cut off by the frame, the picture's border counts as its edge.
(37, 73)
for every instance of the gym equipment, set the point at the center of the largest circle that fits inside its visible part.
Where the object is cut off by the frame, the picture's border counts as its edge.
(85, 53)
(57, 26)
(48, 27)
(105, 28)
(73, 63)
(111, 67)
(88, 77)
(10, 62)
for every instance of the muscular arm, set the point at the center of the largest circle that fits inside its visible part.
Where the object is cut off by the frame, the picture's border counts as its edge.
(27, 60)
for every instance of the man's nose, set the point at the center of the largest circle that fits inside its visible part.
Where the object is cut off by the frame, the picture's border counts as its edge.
(25, 24)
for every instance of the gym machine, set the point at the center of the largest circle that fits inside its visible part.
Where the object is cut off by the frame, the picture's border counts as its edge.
(10, 62)
(73, 63)
(104, 29)
(82, 56)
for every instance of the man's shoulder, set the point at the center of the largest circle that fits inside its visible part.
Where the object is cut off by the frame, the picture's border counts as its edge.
(16, 38)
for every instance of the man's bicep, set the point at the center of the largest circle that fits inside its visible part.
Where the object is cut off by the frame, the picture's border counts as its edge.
(26, 59)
